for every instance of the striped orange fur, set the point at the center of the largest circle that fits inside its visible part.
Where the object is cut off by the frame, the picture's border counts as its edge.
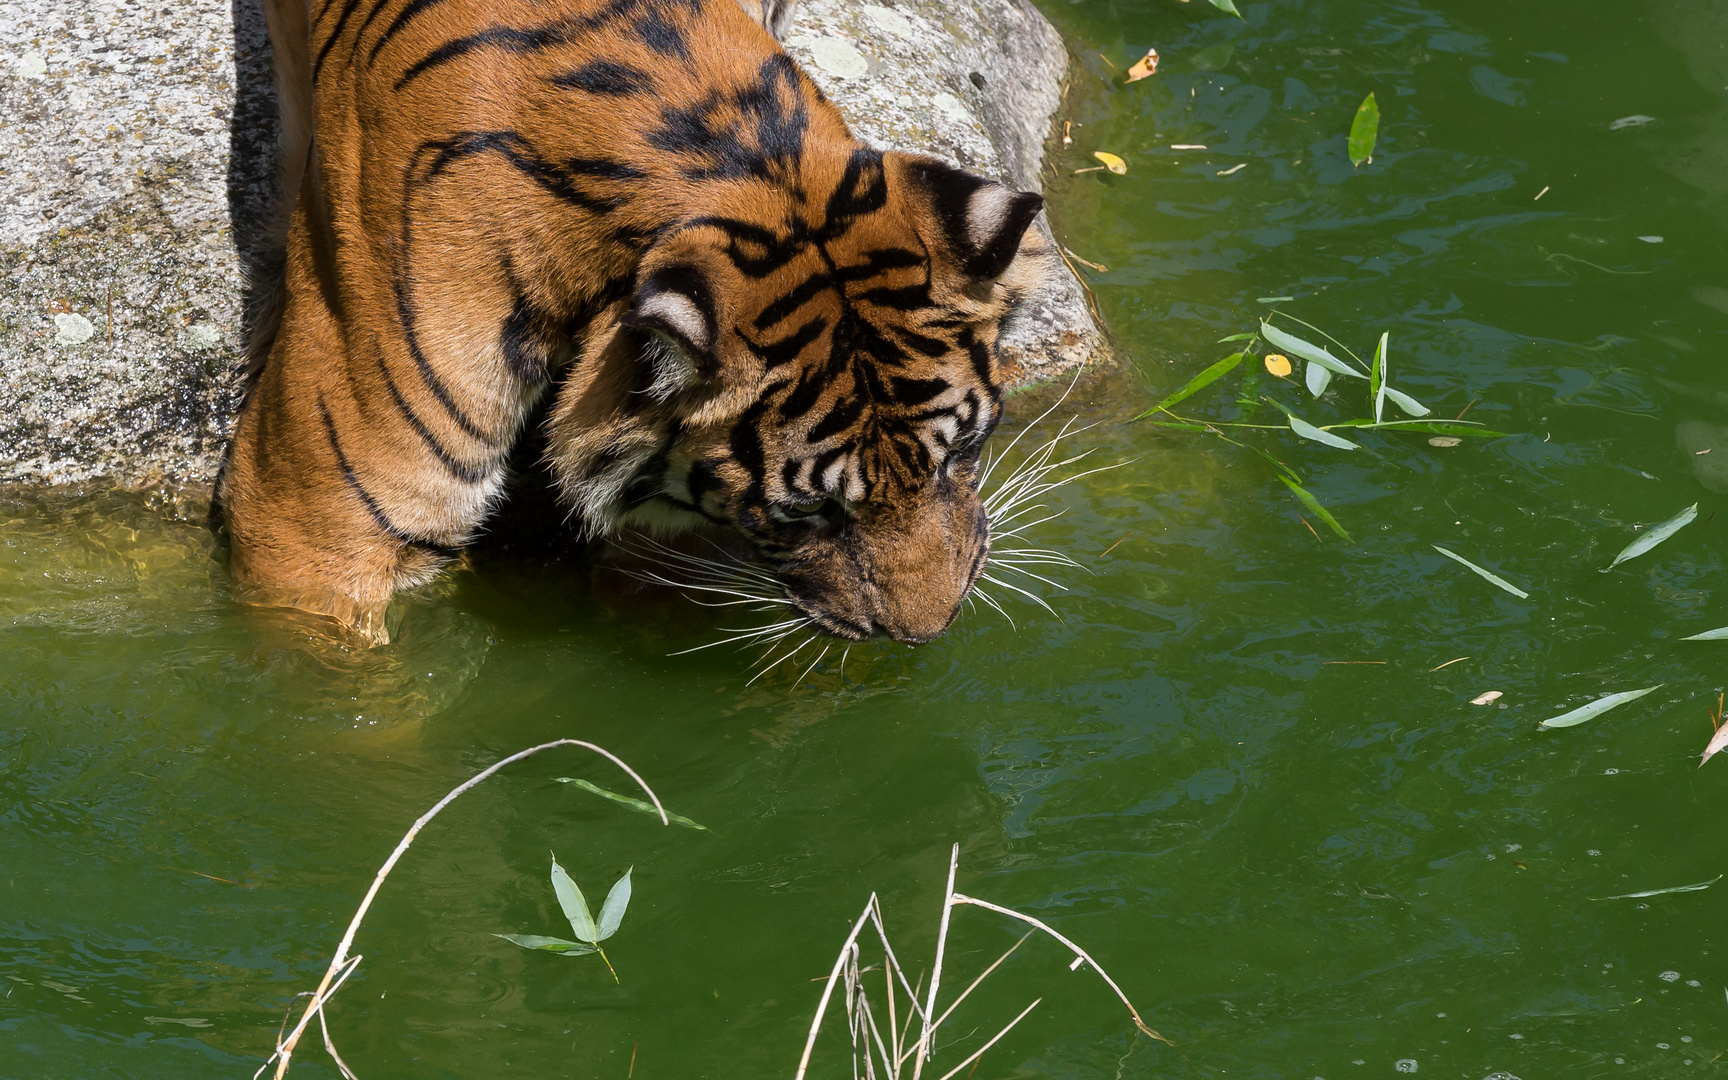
(744, 317)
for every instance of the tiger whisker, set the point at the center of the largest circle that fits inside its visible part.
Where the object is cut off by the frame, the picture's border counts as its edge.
(1030, 574)
(1034, 597)
(813, 664)
(1018, 529)
(981, 594)
(776, 632)
(782, 660)
(1058, 404)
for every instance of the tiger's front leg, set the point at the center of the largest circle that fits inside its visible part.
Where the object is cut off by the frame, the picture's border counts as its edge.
(373, 443)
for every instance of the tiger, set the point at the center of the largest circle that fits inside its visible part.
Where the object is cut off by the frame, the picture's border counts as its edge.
(640, 225)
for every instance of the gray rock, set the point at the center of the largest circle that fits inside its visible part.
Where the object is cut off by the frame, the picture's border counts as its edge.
(136, 149)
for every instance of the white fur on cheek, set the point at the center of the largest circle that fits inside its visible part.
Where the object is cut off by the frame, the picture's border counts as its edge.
(673, 369)
(681, 314)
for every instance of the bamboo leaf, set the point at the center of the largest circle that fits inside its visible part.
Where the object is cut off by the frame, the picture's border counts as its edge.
(575, 907)
(612, 911)
(635, 804)
(1655, 535)
(1377, 377)
(1697, 886)
(1249, 336)
(1307, 351)
(1197, 383)
(1717, 634)
(1596, 708)
(1227, 5)
(1319, 378)
(1485, 575)
(1308, 500)
(1364, 130)
(1404, 401)
(1309, 431)
(548, 944)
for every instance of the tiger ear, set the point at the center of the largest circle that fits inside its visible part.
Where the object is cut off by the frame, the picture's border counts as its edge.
(676, 302)
(774, 15)
(983, 221)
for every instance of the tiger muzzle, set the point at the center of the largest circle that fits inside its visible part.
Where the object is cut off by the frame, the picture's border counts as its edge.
(899, 573)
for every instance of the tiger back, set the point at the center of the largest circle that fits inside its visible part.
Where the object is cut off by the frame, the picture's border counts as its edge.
(747, 318)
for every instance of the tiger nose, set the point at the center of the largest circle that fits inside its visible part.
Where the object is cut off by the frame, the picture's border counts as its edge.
(915, 624)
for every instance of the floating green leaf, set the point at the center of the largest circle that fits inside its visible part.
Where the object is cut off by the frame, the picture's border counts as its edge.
(1485, 575)
(634, 804)
(1596, 708)
(1309, 431)
(1249, 336)
(1197, 383)
(548, 944)
(1364, 130)
(1717, 634)
(1655, 535)
(612, 911)
(1227, 5)
(1313, 504)
(1377, 377)
(1697, 886)
(1293, 344)
(1319, 378)
(575, 907)
(1404, 401)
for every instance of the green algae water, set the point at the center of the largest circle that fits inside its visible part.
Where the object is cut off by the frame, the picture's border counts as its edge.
(1240, 766)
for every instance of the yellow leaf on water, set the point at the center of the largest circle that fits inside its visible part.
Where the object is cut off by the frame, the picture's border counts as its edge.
(1111, 162)
(1146, 65)
(1278, 365)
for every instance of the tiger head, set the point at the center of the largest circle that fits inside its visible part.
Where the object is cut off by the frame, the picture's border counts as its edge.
(818, 374)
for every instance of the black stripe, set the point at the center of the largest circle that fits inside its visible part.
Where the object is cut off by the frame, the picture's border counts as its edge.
(372, 507)
(788, 347)
(405, 316)
(911, 392)
(842, 416)
(402, 19)
(524, 354)
(468, 474)
(929, 346)
(909, 298)
(746, 444)
(377, 9)
(519, 153)
(504, 37)
(335, 33)
(602, 167)
(606, 77)
(511, 39)
(793, 300)
(661, 36)
(804, 397)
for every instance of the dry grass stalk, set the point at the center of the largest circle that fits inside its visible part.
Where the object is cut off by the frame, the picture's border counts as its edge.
(342, 964)
(888, 1058)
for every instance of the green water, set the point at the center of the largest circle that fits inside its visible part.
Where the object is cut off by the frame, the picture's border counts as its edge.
(1296, 868)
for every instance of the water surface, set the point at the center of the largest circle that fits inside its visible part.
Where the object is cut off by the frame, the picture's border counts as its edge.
(1241, 767)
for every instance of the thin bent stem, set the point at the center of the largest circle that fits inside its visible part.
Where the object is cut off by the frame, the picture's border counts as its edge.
(958, 898)
(328, 986)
